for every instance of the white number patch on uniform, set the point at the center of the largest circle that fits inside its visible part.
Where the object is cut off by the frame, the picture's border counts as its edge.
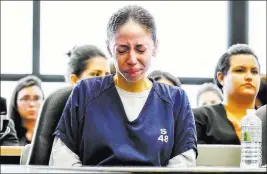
(163, 137)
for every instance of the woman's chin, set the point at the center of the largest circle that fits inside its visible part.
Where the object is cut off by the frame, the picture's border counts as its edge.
(251, 93)
(31, 117)
(133, 79)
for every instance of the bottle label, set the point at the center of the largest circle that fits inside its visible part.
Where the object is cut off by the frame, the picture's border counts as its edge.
(247, 137)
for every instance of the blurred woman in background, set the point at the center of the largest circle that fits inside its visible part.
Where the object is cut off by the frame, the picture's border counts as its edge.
(24, 107)
(209, 94)
(165, 77)
(86, 61)
(237, 74)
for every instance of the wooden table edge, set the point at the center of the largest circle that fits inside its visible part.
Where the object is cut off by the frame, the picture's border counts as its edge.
(11, 150)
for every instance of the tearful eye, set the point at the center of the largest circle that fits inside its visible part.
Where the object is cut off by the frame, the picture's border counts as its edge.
(140, 48)
(121, 49)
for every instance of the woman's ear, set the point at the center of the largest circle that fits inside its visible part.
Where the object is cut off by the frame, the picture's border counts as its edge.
(220, 78)
(73, 79)
(154, 53)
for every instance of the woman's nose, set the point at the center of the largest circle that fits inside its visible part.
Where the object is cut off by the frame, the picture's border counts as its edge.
(132, 59)
(248, 76)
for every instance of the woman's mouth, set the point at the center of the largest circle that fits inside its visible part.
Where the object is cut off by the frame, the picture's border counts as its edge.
(248, 85)
(32, 112)
(132, 72)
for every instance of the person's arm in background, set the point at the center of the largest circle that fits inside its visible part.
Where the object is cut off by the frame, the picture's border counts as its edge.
(8, 136)
(65, 150)
(185, 141)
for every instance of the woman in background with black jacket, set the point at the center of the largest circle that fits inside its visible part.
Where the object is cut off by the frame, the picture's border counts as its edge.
(237, 74)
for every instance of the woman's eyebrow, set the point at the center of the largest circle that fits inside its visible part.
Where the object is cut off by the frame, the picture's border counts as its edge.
(122, 44)
(254, 67)
(242, 66)
(238, 66)
(24, 96)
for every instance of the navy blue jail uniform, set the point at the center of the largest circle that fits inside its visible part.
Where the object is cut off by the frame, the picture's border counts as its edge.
(94, 125)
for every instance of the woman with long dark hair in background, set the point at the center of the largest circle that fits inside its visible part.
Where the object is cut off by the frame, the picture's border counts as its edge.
(24, 107)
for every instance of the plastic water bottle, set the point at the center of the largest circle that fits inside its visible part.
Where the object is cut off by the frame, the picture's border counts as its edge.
(251, 139)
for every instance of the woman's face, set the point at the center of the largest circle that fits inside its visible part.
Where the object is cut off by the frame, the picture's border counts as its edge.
(132, 48)
(165, 81)
(242, 77)
(96, 66)
(29, 100)
(208, 98)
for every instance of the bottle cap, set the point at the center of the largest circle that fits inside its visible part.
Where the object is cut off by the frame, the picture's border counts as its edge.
(251, 111)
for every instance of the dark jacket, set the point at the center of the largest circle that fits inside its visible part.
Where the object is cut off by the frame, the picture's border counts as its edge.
(8, 135)
(213, 126)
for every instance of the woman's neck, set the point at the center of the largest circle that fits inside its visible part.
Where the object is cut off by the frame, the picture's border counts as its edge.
(139, 86)
(29, 125)
(237, 106)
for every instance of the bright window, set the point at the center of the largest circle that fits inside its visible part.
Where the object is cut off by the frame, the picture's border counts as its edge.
(16, 37)
(191, 91)
(50, 87)
(257, 30)
(7, 88)
(192, 35)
